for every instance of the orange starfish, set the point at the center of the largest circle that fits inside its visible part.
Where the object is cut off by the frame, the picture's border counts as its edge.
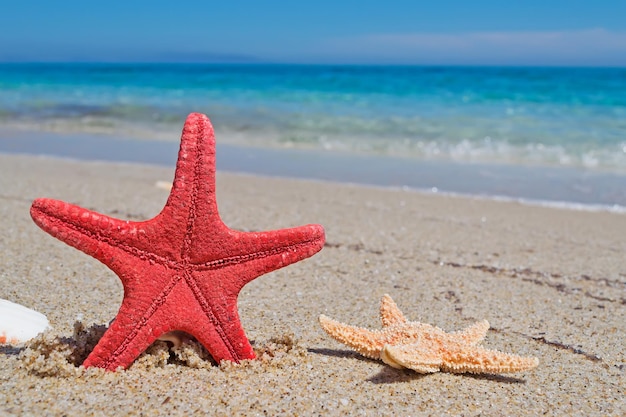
(425, 348)
(183, 269)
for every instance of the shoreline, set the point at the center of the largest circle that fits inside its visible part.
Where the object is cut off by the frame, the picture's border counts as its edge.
(559, 187)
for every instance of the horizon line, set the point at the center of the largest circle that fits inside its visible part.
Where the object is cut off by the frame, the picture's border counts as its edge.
(311, 64)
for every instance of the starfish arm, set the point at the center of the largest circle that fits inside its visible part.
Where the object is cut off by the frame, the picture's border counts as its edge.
(107, 239)
(217, 325)
(472, 335)
(254, 254)
(480, 360)
(190, 220)
(123, 341)
(368, 343)
(141, 321)
(88, 231)
(192, 200)
(420, 357)
(390, 314)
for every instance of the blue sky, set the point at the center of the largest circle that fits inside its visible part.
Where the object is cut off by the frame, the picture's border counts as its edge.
(523, 32)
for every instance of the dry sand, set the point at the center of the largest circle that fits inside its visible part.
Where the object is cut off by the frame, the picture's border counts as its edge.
(551, 282)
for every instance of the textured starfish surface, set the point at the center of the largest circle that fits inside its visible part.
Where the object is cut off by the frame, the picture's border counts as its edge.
(183, 269)
(425, 348)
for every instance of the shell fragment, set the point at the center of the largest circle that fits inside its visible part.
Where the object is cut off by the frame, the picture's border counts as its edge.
(18, 324)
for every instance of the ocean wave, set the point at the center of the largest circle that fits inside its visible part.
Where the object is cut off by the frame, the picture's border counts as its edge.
(555, 117)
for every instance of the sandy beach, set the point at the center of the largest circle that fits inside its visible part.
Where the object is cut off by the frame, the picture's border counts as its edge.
(551, 282)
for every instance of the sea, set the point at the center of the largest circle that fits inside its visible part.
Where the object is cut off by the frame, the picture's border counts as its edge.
(553, 136)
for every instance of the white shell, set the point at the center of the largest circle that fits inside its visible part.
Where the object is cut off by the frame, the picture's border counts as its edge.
(19, 324)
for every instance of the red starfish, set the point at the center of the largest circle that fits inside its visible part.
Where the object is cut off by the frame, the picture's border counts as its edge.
(183, 269)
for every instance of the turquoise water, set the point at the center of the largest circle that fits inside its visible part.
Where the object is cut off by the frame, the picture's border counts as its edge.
(565, 117)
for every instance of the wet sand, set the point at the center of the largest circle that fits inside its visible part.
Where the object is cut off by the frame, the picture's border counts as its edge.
(551, 282)
(555, 185)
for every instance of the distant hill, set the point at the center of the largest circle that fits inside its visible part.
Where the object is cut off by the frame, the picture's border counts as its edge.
(125, 56)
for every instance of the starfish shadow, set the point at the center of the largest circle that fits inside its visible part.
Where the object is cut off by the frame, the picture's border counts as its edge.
(10, 350)
(389, 375)
(339, 353)
(84, 340)
(496, 378)
(77, 346)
